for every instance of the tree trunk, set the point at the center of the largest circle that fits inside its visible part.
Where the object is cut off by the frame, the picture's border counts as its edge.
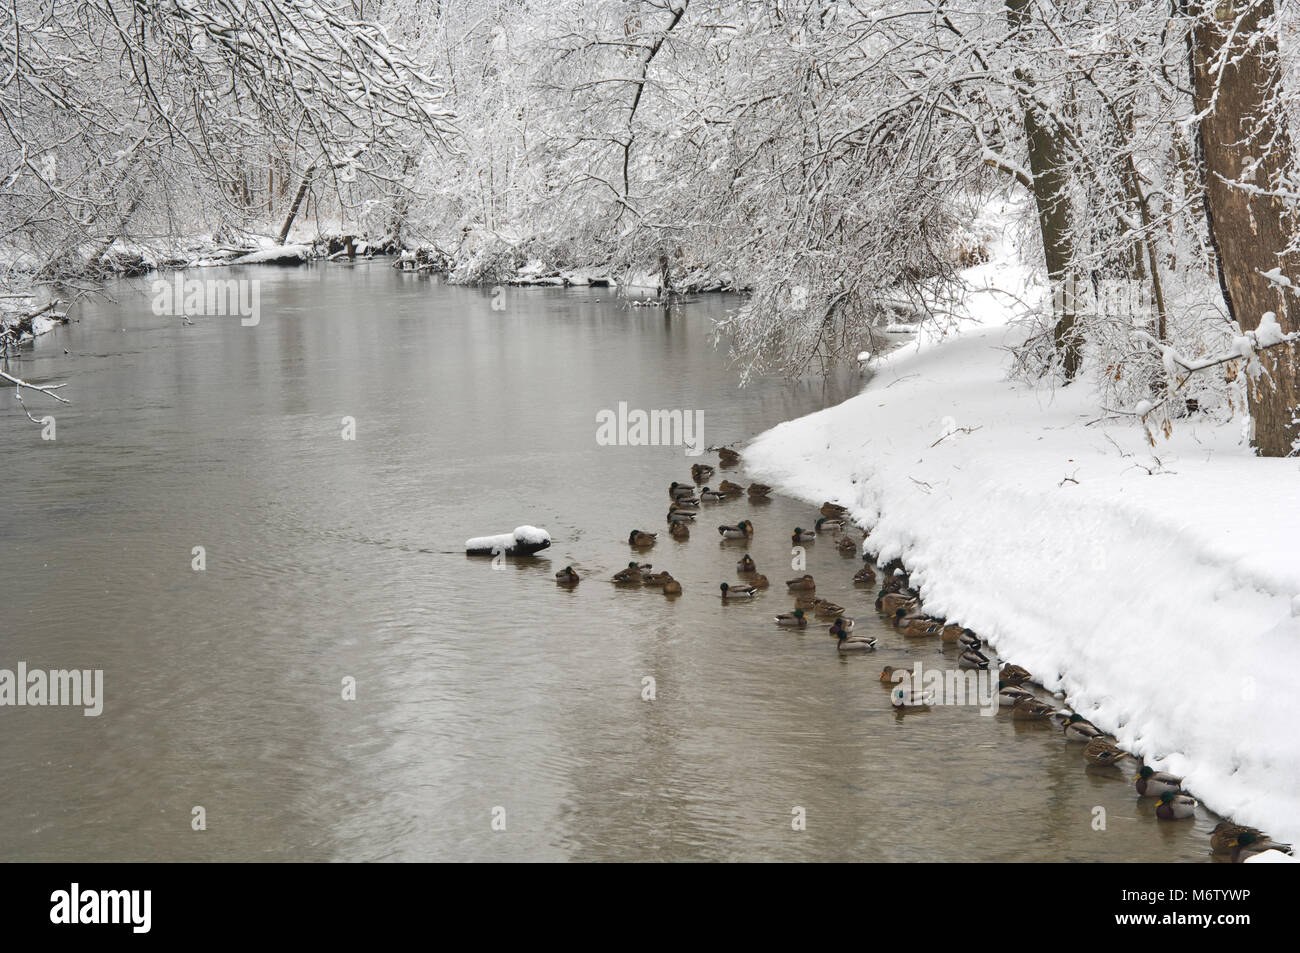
(297, 202)
(1235, 79)
(1048, 168)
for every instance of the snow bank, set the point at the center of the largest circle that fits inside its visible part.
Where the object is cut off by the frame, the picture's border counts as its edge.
(1157, 594)
(279, 254)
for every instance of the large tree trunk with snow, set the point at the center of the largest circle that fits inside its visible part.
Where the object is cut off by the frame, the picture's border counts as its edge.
(1244, 146)
(1048, 170)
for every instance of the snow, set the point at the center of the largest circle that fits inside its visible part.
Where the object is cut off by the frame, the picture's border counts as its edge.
(503, 541)
(1271, 857)
(278, 253)
(1158, 595)
(1269, 331)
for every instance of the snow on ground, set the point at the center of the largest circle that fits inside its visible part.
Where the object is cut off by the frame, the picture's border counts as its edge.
(275, 254)
(1163, 604)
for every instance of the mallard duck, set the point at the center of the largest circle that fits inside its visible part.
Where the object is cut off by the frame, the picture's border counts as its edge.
(968, 640)
(1152, 783)
(973, 658)
(864, 576)
(680, 516)
(632, 575)
(801, 535)
(639, 539)
(566, 577)
(828, 524)
(1078, 728)
(758, 581)
(1031, 709)
(805, 602)
(701, 472)
(842, 624)
(742, 530)
(685, 503)
(746, 564)
(1103, 753)
(656, 578)
(728, 457)
(890, 602)
(887, 674)
(1014, 674)
(856, 643)
(679, 530)
(834, 510)
(1175, 807)
(825, 609)
(894, 582)
(904, 700)
(795, 619)
(680, 489)
(846, 546)
(738, 592)
(712, 496)
(731, 489)
(672, 588)
(1227, 836)
(759, 490)
(917, 626)
(804, 583)
(951, 632)
(1009, 695)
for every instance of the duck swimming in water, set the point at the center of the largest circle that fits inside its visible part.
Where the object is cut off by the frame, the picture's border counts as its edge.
(566, 577)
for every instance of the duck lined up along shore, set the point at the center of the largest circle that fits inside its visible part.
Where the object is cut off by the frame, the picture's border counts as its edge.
(901, 605)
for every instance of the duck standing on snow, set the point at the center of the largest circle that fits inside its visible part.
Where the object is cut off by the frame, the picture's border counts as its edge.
(1175, 807)
(1152, 783)
(640, 540)
(742, 530)
(737, 592)
(566, 577)
(795, 619)
(804, 583)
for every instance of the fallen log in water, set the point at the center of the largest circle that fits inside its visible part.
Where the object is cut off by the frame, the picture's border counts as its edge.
(524, 541)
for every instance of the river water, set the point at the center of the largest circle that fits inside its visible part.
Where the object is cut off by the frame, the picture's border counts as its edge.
(482, 695)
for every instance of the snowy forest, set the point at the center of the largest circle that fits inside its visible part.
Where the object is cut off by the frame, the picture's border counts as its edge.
(829, 158)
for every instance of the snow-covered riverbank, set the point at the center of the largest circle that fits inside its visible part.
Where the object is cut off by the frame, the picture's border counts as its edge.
(1162, 596)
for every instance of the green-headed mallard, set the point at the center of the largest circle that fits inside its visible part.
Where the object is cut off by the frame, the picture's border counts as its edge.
(827, 524)
(973, 658)
(731, 489)
(1103, 753)
(679, 530)
(712, 496)
(746, 564)
(676, 490)
(728, 457)
(631, 576)
(801, 535)
(852, 643)
(737, 592)
(1009, 695)
(566, 577)
(917, 626)
(676, 515)
(640, 540)
(672, 588)
(1175, 807)
(742, 530)
(796, 619)
(864, 576)
(759, 489)
(825, 609)
(834, 510)
(1152, 783)
(701, 472)
(804, 583)
(685, 503)
(1078, 728)
(1227, 836)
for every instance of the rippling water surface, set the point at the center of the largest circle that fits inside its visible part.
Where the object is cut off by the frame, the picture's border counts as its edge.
(475, 688)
